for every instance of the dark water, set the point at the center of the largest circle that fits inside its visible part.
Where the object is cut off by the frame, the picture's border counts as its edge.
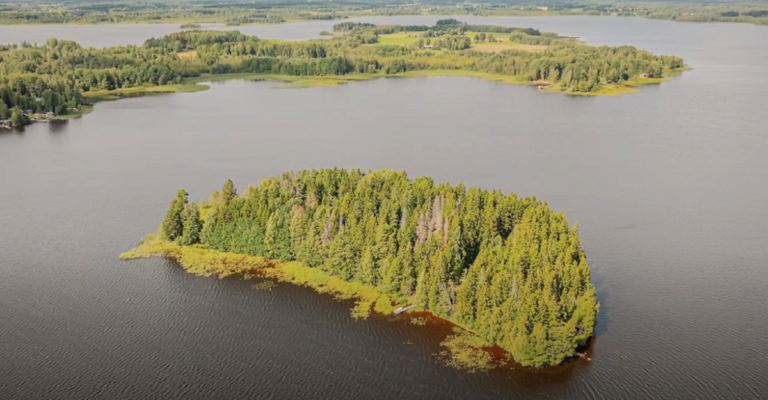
(668, 186)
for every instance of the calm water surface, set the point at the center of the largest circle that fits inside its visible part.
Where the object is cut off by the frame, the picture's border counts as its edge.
(668, 186)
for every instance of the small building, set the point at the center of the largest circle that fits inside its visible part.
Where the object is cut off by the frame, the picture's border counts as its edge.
(643, 75)
(543, 8)
(36, 116)
(50, 114)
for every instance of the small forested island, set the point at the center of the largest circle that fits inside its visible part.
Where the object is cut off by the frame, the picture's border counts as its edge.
(508, 269)
(63, 78)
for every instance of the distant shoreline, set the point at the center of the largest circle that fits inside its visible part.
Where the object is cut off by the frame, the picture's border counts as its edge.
(197, 84)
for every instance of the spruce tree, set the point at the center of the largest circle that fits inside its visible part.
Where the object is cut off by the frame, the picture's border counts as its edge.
(173, 226)
(191, 225)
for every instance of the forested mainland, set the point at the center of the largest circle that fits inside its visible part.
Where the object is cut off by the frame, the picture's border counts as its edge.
(278, 11)
(507, 268)
(60, 76)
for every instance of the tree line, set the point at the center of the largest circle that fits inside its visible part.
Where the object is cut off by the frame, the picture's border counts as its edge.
(508, 268)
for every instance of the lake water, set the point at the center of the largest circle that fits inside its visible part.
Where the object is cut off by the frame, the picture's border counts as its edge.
(668, 186)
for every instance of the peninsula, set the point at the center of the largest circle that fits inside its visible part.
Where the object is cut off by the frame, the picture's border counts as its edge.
(508, 269)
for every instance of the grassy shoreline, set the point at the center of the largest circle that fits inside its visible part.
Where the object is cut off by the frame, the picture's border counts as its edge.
(212, 263)
(463, 349)
(196, 84)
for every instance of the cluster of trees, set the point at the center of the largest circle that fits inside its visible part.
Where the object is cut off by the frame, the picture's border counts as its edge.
(482, 36)
(442, 27)
(508, 268)
(452, 43)
(254, 19)
(182, 222)
(348, 26)
(524, 38)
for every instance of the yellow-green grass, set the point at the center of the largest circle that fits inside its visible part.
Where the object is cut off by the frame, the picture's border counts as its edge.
(605, 90)
(205, 262)
(400, 38)
(106, 95)
(196, 260)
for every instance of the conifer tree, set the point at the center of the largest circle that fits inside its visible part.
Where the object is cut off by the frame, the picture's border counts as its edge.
(191, 223)
(173, 225)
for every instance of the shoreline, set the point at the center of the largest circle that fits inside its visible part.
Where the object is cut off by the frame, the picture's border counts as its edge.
(466, 349)
(197, 84)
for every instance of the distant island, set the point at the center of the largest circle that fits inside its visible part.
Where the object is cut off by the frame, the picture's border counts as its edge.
(508, 269)
(275, 12)
(62, 78)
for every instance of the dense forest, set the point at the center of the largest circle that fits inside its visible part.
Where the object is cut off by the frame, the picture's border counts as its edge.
(508, 268)
(52, 77)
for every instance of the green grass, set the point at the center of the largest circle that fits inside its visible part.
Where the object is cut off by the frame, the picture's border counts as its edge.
(400, 38)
